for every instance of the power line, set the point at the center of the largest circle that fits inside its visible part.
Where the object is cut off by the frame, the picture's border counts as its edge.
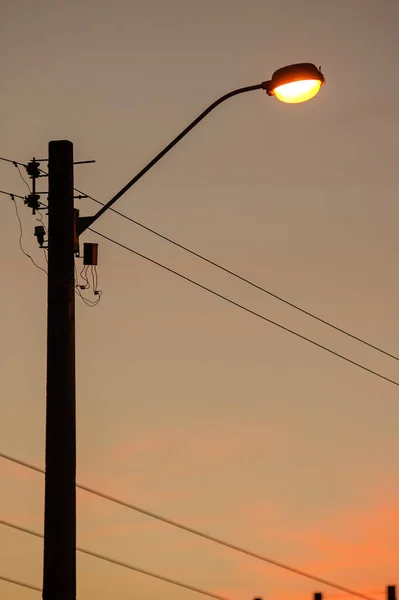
(11, 194)
(185, 586)
(78, 290)
(13, 162)
(125, 565)
(198, 533)
(237, 276)
(245, 280)
(17, 165)
(87, 301)
(22, 177)
(21, 236)
(248, 310)
(371, 371)
(37, 589)
(232, 273)
(20, 583)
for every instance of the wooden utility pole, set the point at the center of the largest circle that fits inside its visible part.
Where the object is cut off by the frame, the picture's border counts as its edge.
(59, 567)
(391, 592)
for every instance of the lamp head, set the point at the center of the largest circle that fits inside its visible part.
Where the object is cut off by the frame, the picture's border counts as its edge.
(295, 83)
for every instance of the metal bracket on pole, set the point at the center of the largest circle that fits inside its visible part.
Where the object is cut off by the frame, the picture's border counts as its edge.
(82, 224)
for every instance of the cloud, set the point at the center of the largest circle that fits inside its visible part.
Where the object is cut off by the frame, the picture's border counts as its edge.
(362, 539)
(210, 443)
(358, 549)
(356, 546)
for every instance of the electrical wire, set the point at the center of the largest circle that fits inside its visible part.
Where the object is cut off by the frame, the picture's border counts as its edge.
(248, 310)
(125, 565)
(10, 194)
(21, 176)
(37, 589)
(78, 288)
(229, 272)
(20, 583)
(13, 162)
(21, 236)
(94, 303)
(198, 533)
(94, 274)
(245, 280)
(87, 301)
(17, 165)
(83, 275)
(234, 274)
(40, 219)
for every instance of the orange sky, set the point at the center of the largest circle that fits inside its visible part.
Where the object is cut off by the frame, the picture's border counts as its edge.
(188, 406)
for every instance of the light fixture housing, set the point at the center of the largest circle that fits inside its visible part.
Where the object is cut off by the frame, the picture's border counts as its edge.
(295, 83)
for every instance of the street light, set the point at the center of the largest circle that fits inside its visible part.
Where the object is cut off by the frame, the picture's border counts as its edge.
(292, 84)
(295, 83)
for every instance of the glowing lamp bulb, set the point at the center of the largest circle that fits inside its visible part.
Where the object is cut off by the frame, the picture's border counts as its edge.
(295, 83)
(297, 91)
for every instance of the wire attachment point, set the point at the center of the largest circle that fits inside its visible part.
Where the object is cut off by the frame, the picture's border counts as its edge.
(32, 201)
(32, 168)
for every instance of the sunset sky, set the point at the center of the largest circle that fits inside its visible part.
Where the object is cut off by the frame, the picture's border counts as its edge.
(186, 405)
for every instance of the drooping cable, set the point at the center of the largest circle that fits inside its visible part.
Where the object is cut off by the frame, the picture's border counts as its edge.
(78, 288)
(21, 236)
(248, 310)
(16, 165)
(10, 194)
(13, 162)
(20, 583)
(232, 273)
(247, 281)
(126, 565)
(198, 533)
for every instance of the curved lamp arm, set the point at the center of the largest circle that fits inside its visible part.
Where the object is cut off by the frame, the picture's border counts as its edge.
(85, 222)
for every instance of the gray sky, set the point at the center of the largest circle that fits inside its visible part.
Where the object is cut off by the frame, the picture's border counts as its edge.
(186, 405)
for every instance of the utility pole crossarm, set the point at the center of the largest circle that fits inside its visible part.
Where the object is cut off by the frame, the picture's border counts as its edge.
(85, 222)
